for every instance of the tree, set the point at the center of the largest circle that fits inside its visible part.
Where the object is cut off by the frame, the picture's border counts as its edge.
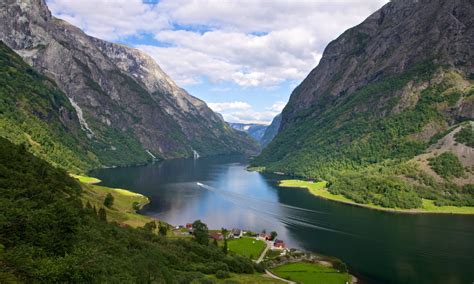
(224, 232)
(273, 235)
(109, 200)
(163, 230)
(102, 214)
(201, 232)
(150, 226)
(215, 243)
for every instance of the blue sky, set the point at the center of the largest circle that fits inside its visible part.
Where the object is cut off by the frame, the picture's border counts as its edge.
(242, 57)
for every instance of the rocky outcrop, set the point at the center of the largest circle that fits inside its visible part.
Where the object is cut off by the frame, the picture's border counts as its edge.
(122, 97)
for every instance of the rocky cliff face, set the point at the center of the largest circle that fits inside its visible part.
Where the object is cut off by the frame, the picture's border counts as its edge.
(123, 99)
(271, 131)
(382, 90)
(389, 42)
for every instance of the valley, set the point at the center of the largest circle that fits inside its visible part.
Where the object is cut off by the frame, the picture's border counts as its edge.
(283, 142)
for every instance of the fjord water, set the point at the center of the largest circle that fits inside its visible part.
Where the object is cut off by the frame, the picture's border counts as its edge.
(381, 247)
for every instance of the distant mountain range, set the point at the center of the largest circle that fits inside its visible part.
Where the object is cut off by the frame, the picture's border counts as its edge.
(263, 134)
(256, 131)
(115, 102)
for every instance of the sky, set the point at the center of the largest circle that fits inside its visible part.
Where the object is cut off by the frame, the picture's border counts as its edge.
(243, 57)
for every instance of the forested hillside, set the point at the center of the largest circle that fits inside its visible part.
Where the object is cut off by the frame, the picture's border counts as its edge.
(382, 94)
(35, 112)
(47, 235)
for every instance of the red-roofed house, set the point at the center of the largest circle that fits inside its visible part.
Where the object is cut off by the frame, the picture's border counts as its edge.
(279, 244)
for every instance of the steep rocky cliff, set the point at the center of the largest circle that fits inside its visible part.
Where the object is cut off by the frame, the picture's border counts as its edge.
(383, 92)
(271, 131)
(125, 103)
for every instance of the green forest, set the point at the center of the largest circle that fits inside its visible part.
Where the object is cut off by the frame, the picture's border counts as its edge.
(333, 141)
(47, 235)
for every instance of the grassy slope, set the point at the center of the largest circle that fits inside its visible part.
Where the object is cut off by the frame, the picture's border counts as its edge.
(428, 206)
(122, 211)
(303, 272)
(248, 247)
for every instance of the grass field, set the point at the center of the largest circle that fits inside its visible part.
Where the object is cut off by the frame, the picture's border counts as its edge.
(249, 247)
(248, 279)
(428, 206)
(86, 179)
(122, 210)
(302, 272)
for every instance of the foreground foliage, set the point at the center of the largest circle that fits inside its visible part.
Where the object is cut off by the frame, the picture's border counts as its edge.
(47, 235)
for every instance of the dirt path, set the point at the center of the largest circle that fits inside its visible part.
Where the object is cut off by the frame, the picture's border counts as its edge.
(276, 277)
(264, 252)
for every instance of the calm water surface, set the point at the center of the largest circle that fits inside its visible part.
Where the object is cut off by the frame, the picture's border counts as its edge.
(380, 247)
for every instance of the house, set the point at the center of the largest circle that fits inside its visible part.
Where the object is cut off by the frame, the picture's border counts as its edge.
(279, 244)
(236, 233)
(189, 226)
(264, 236)
(216, 236)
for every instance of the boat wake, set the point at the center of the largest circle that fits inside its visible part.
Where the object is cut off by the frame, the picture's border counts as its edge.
(286, 214)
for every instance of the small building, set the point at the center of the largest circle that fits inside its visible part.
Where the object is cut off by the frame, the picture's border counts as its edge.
(264, 236)
(279, 244)
(189, 226)
(236, 233)
(216, 236)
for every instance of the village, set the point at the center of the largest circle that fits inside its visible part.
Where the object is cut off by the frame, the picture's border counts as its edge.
(268, 250)
(269, 238)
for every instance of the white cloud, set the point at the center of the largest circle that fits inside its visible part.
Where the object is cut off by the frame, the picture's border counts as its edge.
(247, 42)
(229, 106)
(111, 19)
(277, 106)
(243, 112)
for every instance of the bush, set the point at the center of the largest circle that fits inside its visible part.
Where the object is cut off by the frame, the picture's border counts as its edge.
(465, 136)
(221, 274)
(109, 200)
(447, 165)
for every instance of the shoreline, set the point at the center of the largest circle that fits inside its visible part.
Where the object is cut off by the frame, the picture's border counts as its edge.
(319, 191)
(127, 204)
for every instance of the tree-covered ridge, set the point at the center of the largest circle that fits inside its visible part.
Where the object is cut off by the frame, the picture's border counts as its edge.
(344, 139)
(48, 236)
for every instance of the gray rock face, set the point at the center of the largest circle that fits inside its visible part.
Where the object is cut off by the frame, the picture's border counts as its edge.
(271, 131)
(393, 39)
(121, 96)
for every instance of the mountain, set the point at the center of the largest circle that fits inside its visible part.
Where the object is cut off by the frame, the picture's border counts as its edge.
(383, 93)
(256, 131)
(126, 105)
(35, 112)
(271, 131)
